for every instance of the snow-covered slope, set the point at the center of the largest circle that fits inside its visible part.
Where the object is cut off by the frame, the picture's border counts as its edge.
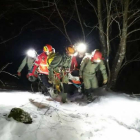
(112, 117)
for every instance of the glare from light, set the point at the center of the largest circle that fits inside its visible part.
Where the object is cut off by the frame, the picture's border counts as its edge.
(98, 60)
(31, 53)
(88, 55)
(81, 47)
(75, 54)
(93, 53)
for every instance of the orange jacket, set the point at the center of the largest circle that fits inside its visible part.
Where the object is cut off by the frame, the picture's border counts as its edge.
(41, 64)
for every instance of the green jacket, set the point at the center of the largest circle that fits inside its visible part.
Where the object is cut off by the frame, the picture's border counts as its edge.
(60, 62)
(26, 61)
(89, 68)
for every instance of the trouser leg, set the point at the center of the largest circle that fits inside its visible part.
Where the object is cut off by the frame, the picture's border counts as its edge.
(54, 91)
(44, 79)
(87, 86)
(65, 91)
(88, 94)
(94, 82)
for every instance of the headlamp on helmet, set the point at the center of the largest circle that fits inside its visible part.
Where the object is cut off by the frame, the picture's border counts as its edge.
(32, 53)
(96, 56)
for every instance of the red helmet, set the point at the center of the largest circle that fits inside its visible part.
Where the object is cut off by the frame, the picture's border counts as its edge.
(96, 56)
(47, 48)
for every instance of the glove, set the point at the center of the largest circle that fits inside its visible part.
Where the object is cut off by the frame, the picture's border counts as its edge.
(19, 74)
(31, 77)
(31, 74)
(105, 81)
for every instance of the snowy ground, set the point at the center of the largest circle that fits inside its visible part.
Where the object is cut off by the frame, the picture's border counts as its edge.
(111, 117)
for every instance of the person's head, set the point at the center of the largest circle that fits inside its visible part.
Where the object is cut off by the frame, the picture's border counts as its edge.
(48, 49)
(80, 48)
(96, 56)
(70, 50)
(81, 55)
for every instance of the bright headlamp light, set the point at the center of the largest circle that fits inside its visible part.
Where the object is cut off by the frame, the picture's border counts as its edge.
(81, 47)
(31, 53)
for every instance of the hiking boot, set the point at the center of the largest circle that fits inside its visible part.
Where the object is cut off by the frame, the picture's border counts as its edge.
(64, 97)
(89, 98)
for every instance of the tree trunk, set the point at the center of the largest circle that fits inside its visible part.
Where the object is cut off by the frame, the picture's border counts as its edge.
(101, 30)
(122, 47)
(107, 35)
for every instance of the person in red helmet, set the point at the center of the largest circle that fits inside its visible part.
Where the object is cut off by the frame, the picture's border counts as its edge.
(48, 49)
(89, 66)
(59, 68)
(40, 65)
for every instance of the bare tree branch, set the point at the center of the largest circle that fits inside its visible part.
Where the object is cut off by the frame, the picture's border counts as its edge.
(47, 19)
(95, 10)
(130, 61)
(17, 34)
(43, 29)
(50, 4)
(114, 38)
(70, 17)
(133, 40)
(133, 14)
(118, 26)
(2, 82)
(133, 21)
(80, 20)
(1, 71)
(64, 24)
(133, 31)
(5, 66)
(91, 30)
(9, 74)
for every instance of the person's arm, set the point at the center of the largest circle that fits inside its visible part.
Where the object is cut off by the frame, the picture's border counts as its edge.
(36, 64)
(51, 75)
(103, 71)
(82, 66)
(22, 65)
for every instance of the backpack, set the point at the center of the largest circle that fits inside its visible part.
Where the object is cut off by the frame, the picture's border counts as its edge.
(55, 60)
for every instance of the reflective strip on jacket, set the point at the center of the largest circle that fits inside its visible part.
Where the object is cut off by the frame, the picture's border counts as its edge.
(41, 64)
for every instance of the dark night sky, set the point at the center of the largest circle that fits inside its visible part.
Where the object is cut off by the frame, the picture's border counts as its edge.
(15, 17)
(22, 29)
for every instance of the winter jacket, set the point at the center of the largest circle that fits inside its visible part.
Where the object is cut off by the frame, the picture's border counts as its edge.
(60, 65)
(26, 61)
(89, 68)
(40, 64)
(74, 63)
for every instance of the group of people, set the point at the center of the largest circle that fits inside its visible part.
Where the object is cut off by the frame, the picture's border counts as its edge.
(55, 69)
